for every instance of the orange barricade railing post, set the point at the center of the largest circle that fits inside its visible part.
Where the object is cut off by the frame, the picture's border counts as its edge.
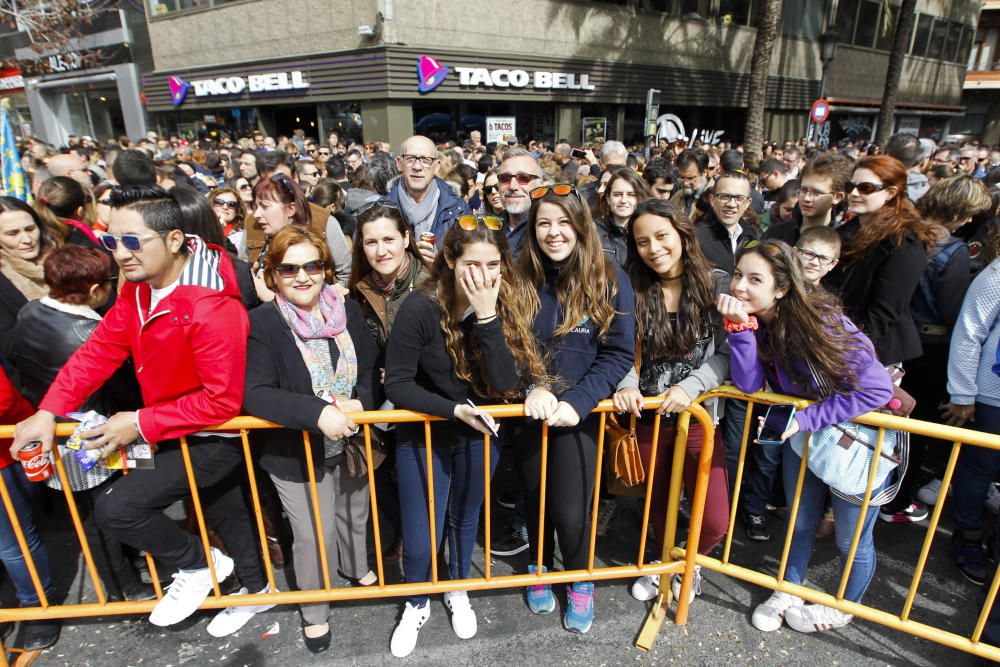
(431, 501)
(376, 523)
(317, 511)
(257, 512)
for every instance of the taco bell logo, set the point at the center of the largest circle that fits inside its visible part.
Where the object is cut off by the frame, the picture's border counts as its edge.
(430, 74)
(178, 89)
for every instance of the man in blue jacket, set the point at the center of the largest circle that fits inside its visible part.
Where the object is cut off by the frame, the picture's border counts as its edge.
(427, 202)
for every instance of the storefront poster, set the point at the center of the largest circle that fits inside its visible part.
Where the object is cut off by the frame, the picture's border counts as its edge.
(500, 129)
(909, 125)
(595, 129)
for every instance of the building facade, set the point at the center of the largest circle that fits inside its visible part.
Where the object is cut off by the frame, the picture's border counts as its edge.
(981, 96)
(383, 69)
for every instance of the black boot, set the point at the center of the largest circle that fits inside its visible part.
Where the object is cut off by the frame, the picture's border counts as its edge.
(39, 634)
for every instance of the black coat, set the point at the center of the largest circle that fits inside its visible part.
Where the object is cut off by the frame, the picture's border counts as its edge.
(11, 302)
(877, 288)
(715, 244)
(43, 341)
(279, 388)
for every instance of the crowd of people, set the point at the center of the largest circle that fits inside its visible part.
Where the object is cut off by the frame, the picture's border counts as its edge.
(171, 286)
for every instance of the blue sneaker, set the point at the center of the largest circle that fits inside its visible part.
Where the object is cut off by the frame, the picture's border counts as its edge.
(540, 597)
(580, 607)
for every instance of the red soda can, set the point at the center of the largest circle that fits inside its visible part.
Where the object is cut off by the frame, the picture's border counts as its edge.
(37, 464)
(427, 237)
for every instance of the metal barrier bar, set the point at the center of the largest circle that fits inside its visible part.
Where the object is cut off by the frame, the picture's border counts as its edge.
(432, 517)
(793, 512)
(199, 514)
(647, 504)
(487, 483)
(258, 514)
(738, 484)
(74, 514)
(541, 497)
(376, 523)
(860, 525)
(324, 564)
(29, 560)
(595, 501)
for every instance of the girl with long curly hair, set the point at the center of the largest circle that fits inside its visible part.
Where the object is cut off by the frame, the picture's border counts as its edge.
(463, 336)
(582, 305)
(682, 353)
(775, 319)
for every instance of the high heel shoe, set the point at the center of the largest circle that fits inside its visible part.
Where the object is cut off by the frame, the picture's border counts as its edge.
(317, 644)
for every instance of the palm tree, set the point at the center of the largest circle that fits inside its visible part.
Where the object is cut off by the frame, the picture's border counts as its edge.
(900, 43)
(767, 36)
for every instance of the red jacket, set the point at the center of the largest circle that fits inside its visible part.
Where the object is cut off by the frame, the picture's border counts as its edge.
(13, 408)
(190, 353)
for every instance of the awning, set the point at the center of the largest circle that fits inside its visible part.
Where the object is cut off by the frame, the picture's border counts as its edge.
(871, 107)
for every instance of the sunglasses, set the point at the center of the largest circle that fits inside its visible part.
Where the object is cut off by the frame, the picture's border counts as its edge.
(560, 190)
(225, 203)
(471, 222)
(490, 189)
(313, 268)
(864, 188)
(521, 177)
(131, 242)
(245, 186)
(376, 200)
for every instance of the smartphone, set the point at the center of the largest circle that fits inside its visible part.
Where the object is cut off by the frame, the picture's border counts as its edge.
(776, 422)
(578, 153)
(491, 427)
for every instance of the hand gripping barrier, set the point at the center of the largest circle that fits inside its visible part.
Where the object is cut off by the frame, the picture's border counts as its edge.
(901, 621)
(682, 563)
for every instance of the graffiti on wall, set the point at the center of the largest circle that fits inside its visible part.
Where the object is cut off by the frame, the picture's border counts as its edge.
(671, 128)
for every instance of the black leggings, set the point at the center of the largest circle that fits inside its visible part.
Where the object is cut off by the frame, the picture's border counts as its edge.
(572, 457)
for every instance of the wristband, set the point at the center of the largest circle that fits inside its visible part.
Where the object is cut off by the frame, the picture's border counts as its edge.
(486, 320)
(734, 327)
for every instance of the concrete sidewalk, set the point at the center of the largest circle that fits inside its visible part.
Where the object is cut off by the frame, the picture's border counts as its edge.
(718, 633)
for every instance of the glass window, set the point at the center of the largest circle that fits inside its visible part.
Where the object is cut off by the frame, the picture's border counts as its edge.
(802, 19)
(164, 7)
(735, 12)
(951, 46)
(887, 33)
(868, 23)
(922, 35)
(965, 45)
(939, 35)
(846, 14)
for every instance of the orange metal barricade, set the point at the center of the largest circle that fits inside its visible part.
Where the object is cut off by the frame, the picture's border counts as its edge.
(682, 563)
(899, 621)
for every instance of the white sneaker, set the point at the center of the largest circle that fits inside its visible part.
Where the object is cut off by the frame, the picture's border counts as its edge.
(816, 618)
(463, 618)
(993, 499)
(404, 637)
(928, 493)
(188, 590)
(646, 587)
(675, 585)
(231, 619)
(769, 614)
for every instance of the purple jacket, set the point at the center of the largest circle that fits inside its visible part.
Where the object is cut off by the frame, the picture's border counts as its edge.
(875, 386)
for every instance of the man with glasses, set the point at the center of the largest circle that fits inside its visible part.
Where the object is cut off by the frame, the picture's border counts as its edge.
(692, 172)
(771, 175)
(307, 173)
(181, 319)
(429, 205)
(323, 153)
(518, 175)
(354, 159)
(821, 197)
(723, 229)
(967, 157)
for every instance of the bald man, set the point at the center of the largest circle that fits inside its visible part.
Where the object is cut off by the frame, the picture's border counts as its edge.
(429, 205)
(72, 165)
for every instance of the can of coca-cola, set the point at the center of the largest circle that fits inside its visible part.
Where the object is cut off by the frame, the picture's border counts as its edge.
(37, 464)
(428, 237)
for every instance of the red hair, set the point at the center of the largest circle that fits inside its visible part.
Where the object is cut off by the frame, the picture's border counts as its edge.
(896, 218)
(282, 189)
(70, 272)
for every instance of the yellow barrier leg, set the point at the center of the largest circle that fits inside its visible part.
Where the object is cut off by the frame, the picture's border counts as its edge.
(258, 514)
(860, 525)
(487, 483)
(376, 526)
(738, 484)
(196, 501)
(431, 516)
(597, 496)
(314, 497)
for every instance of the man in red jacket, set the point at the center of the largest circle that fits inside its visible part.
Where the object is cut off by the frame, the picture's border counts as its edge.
(181, 319)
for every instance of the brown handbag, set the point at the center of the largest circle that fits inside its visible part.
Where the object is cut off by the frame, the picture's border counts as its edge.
(623, 451)
(354, 452)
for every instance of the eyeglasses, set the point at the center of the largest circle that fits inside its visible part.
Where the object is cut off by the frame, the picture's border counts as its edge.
(560, 190)
(809, 193)
(245, 186)
(104, 202)
(225, 203)
(313, 268)
(864, 188)
(131, 242)
(424, 160)
(324, 153)
(310, 150)
(727, 198)
(471, 222)
(521, 177)
(810, 257)
(376, 200)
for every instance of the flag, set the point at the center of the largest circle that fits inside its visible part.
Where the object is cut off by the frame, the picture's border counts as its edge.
(14, 183)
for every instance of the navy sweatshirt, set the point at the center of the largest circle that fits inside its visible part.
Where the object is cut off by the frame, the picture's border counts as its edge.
(590, 368)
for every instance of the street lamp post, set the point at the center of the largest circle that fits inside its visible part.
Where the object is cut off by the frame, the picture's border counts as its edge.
(827, 52)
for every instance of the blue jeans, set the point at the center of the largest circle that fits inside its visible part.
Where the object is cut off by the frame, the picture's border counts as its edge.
(458, 488)
(977, 468)
(812, 506)
(23, 494)
(761, 463)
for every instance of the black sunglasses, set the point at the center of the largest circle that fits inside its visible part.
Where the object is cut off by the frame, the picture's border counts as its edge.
(225, 203)
(313, 268)
(864, 188)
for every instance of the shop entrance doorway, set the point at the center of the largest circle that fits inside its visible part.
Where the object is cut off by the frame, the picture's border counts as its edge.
(287, 119)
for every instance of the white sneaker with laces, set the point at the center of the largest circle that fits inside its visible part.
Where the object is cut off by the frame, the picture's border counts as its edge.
(404, 637)
(188, 590)
(816, 618)
(769, 614)
(231, 619)
(675, 585)
(646, 587)
(463, 618)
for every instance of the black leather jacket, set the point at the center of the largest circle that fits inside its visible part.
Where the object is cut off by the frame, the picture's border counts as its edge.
(43, 339)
